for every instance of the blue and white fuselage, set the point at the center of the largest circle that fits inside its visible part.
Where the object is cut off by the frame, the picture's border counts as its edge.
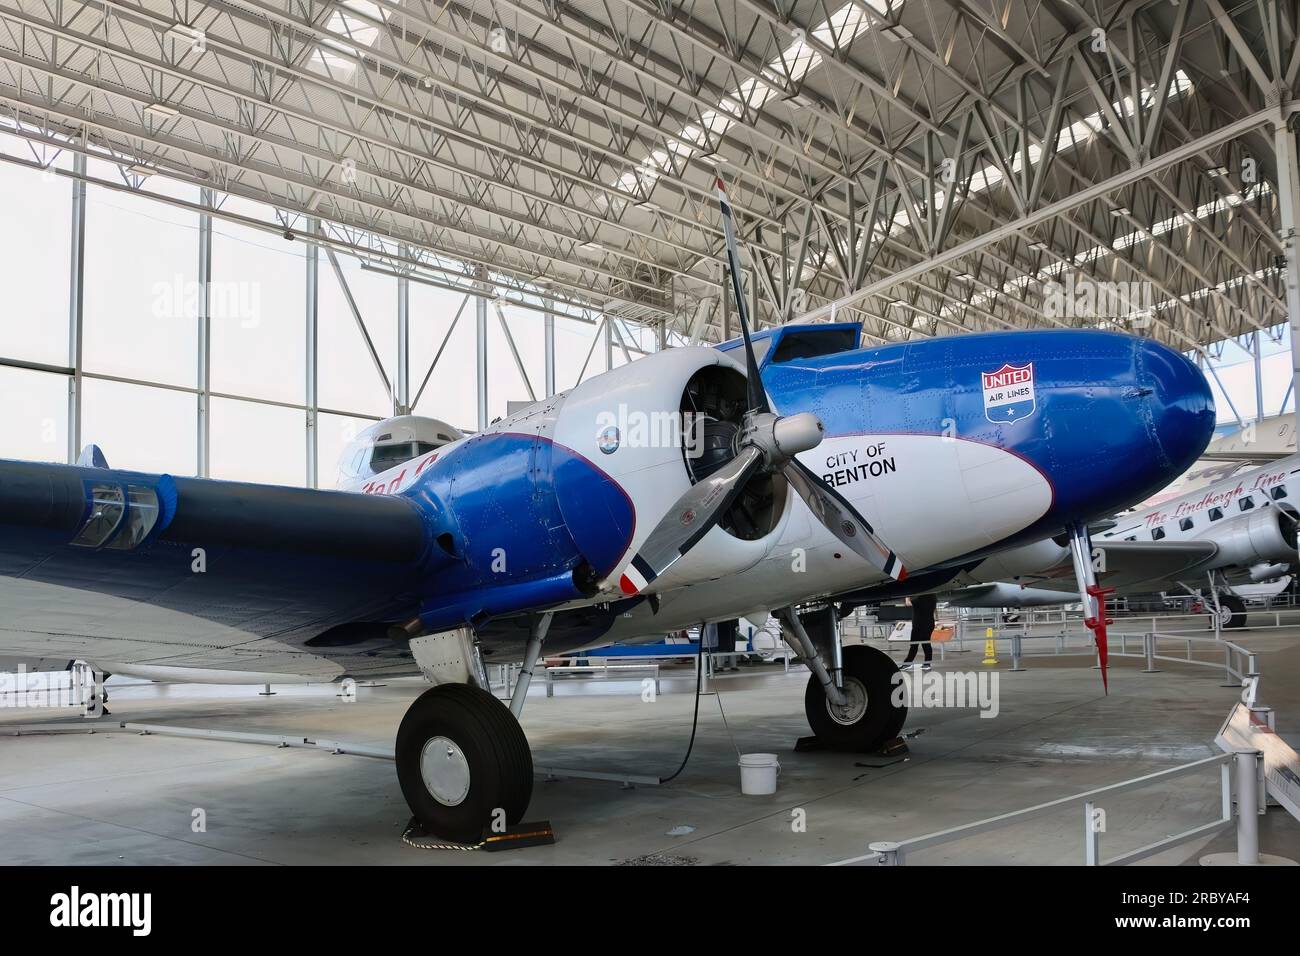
(950, 448)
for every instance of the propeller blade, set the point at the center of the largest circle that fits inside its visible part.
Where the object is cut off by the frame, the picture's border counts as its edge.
(757, 394)
(689, 520)
(842, 519)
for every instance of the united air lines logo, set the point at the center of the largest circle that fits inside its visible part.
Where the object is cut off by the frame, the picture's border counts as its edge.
(1009, 393)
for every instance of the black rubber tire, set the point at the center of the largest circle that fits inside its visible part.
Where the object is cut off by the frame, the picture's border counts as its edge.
(1236, 608)
(495, 748)
(880, 723)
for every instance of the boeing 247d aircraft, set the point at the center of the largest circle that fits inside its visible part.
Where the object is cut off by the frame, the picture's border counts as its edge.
(563, 524)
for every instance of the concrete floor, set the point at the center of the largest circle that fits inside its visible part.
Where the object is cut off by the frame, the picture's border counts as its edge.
(113, 798)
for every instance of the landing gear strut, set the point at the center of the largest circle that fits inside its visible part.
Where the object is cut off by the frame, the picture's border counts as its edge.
(851, 708)
(1091, 594)
(1227, 611)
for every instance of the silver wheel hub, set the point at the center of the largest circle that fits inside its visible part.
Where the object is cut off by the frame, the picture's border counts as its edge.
(445, 771)
(855, 703)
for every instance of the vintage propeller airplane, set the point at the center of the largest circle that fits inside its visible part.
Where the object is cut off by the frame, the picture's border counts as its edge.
(1229, 534)
(569, 523)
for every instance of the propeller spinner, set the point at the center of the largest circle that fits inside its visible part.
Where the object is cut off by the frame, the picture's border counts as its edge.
(767, 443)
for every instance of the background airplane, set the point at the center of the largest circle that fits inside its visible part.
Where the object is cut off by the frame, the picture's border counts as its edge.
(825, 469)
(1257, 442)
(1236, 532)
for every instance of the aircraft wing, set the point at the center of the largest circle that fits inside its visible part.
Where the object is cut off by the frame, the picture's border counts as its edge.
(108, 565)
(1246, 457)
(1125, 564)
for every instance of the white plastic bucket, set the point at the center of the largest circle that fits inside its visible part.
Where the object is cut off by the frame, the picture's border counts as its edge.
(758, 773)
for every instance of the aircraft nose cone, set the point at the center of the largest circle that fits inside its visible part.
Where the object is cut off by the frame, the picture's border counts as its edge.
(1179, 401)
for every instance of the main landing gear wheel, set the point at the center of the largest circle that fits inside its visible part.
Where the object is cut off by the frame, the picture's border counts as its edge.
(869, 720)
(461, 759)
(1232, 611)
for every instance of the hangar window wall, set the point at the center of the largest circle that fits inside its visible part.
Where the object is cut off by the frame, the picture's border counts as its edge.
(194, 349)
(151, 386)
(443, 322)
(34, 330)
(1251, 377)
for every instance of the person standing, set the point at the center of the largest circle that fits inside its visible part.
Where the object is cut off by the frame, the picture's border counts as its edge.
(923, 606)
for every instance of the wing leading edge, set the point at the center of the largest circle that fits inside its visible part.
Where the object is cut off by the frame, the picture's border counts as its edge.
(123, 510)
(124, 566)
(1124, 564)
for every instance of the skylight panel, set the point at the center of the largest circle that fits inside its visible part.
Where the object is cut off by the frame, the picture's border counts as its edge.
(337, 58)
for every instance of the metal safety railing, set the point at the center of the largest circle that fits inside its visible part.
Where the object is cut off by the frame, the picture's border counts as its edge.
(633, 667)
(645, 671)
(1067, 636)
(972, 626)
(1237, 662)
(1246, 792)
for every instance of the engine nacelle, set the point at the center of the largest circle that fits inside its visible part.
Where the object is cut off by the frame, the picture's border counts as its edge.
(1009, 595)
(1266, 536)
(1009, 565)
(655, 427)
(1264, 573)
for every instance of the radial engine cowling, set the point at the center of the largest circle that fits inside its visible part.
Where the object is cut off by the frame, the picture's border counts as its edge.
(655, 427)
(1265, 536)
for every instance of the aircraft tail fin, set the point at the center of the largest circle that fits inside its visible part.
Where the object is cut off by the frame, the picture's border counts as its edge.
(92, 456)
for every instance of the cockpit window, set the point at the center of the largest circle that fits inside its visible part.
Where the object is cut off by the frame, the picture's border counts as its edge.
(383, 457)
(814, 342)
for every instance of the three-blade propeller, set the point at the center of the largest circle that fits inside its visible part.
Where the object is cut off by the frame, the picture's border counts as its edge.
(767, 443)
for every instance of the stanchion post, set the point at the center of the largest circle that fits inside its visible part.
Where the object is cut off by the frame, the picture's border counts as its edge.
(891, 854)
(1149, 651)
(1091, 837)
(1247, 807)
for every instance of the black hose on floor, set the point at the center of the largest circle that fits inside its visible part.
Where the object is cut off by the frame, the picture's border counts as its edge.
(695, 720)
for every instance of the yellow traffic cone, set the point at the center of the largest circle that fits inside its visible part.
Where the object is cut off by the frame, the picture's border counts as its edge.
(990, 648)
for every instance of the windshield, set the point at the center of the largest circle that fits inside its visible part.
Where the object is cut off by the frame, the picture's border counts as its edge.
(384, 457)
